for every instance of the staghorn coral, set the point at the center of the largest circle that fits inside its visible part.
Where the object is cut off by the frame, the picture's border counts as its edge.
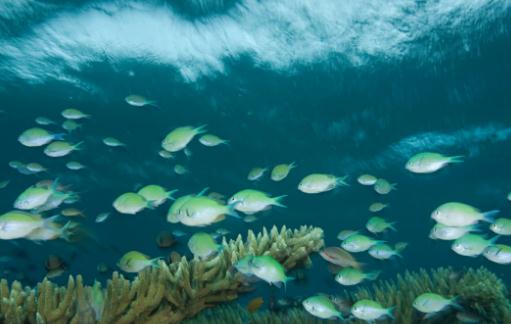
(478, 290)
(166, 294)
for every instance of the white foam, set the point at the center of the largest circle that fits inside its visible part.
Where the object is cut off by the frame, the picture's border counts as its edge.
(276, 34)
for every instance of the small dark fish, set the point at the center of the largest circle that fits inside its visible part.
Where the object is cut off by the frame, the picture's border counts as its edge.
(165, 240)
(255, 304)
(53, 262)
(102, 268)
(55, 273)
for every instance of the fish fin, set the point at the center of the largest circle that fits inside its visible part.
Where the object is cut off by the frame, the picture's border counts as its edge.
(201, 129)
(170, 193)
(286, 281)
(154, 104)
(341, 181)
(276, 201)
(494, 239)
(48, 221)
(77, 146)
(475, 228)
(219, 218)
(389, 312)
(59, 136)
(373, 275)
(231, 211)
(68, 230)
(456, 159)
(202, 192)
(489, 216)
(392, 227)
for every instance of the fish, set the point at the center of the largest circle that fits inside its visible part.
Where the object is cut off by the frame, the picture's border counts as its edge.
(72, 212)
(131, 203)
(61, 148)
(18, 224)
(102, 217)
(344, 234)
(339, 257)
(255, 304)
(432, 303)
(501, 226)
(256, 173)
(251, 201)
(35, 137)
(383, 187)
(112, 142)
(166, 155)
(202, 245)
(36, 167)
(281, 171)
(212, 140)
(156, 195)
(43, 121)
(4, 183)
(383, 251)
(70, 125)
(322, 307)
(180, 169)
(472, 244)
(320, 182)
(377, 207)
(377, 225)
(73, 114)
(351, 276)
(202, 211)
(498, 253)
(267, 268)
(358, 243)
(369, 310)
(136, 100)
(449, 233)
(430, 162)
(180, 137)
(134, 261)
(75, 166)
(461, 214)
(165, 240)
(367, 179)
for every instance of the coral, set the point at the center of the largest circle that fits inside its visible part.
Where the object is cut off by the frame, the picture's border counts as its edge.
(479, 291)
(164, 294)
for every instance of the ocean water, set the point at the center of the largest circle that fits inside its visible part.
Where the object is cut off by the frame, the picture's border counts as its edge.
(340, 87)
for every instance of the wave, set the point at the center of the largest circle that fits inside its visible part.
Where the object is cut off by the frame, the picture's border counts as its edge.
(279, 35)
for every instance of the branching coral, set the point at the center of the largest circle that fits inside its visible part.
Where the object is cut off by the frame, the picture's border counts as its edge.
(479, 291)
(167, 294)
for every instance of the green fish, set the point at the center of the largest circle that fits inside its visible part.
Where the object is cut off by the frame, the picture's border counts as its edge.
(460, 214)
(131, 203)
(367, 179)
(112, 142)
(352, 276)
(321, 182)
(501, 226)
(377, 206)
(384, 187)
(369, 310)
(202, 245)
(61, 148)
(265, 267)
(203, 211)
(75, 166)
(180, 137)
(135, 261)
(498, 253)
(384, 251)
(243, 265)
(35, 196)
(70, 125)
(358, 243)
(281, 171)
(256, 173)
(155, 194)
(432, 303)
(429, 162)
(472, 244)
(73, 114)
(18, 224)
(136, 100)
(212, 140)
(377, 225)
(250, 201)
(35, 137)
(321, 306)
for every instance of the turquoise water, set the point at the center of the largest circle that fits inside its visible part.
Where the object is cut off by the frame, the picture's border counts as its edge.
(343, 88)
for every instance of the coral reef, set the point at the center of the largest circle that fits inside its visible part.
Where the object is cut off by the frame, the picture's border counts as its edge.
(169, 293)
(480, 292)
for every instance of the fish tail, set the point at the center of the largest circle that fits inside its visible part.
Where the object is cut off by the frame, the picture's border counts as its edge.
(231, 211)
(202, 192)
(153, 103)
(494, 239)
(489, 216)
(292, 165)
(341, 181)
(201, 129)
(389, 311)
(392, 226)
(155, 263)
(286, 280)
(475, 228)
(77, 146)
(170, 193)
(373, 275)
(456, 159)
(277, 201)
(59, 136)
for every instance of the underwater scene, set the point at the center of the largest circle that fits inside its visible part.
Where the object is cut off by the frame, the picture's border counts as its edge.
(255, 161)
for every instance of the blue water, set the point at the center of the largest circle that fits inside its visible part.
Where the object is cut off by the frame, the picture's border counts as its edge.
(339, 87)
